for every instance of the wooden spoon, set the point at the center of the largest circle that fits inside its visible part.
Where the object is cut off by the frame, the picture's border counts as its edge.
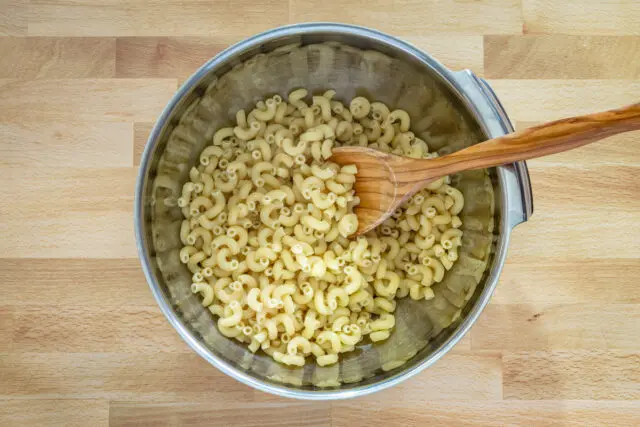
(384, 181)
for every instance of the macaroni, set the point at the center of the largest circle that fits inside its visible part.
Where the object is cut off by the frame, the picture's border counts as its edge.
(269, 222)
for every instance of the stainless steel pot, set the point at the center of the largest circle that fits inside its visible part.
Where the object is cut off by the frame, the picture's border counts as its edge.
(453, 110)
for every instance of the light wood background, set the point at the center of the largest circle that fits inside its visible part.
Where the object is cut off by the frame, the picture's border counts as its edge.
(81, 339)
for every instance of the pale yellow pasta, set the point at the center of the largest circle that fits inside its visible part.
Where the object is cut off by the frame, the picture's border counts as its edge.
(348, 225)
(327, 145)
(297, 95)
(269, 223)
(385, 322)
(326, 359)
(267, 113)
(224, 261)
(379, 111)
(219, 136)
(232, 315)
(330, 341)
(289, 359)
(205, 290)
(325, 107)
(359, 107)
(379, 335)
(321, 200)
(247, 133)
(315, 224)
(323, 174)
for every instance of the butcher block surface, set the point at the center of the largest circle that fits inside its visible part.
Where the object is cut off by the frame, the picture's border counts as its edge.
(82, 341)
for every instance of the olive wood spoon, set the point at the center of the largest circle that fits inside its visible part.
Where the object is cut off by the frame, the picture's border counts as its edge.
(384, 181)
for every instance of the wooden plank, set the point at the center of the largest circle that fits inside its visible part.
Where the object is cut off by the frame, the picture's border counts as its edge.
(141, 133)
(610, 17)
(173, 57)
(155, 18)
(66, 413)
(53, 57)
(494, 413)
(88, 213)
(85, 99)
(74, 283)
(604, 233)
(95, 234)
(161, 376)
(618, 150)
(409, 17)
(456, 52)
(572, 375)
(170, 377)
(560, 57)
(7, 326)
(614, 185)
(124, 414)
(13, 17)
(66, 329)
(595, 208)
(591, 237)
(67, 190)
(530, 326)
(32, 144)
(568, 281)
(545, 100)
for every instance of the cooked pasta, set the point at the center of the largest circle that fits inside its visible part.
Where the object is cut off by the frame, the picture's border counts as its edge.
(269, 222)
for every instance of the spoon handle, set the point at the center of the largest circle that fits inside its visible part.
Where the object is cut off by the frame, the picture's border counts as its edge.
(549, 138)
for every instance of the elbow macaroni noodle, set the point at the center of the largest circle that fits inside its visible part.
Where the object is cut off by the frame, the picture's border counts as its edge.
(268, 222)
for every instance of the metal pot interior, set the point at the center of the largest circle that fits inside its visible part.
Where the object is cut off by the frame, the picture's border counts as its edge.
(352, 66)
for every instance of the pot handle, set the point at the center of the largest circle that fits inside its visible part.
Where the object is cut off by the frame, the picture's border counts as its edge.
(483, 102)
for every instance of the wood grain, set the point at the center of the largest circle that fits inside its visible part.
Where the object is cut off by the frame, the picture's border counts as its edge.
(617, 181)
(141, 133)
(82, 341)
(159, 376)
(611, 17)
(57, 57)
(85, 99)
(81, 412)
(618, 150)
(555, 99)
(584, 281)
(32, 143)
(294, 414)
(544, 326)
(456, 52)
(593, 238)
(72, 283)
(572, 375)
(410, 16)
(183, 376)
(97, 234)
(13, 17)
(493, 413)
(171, 57)
(88, 213)
(155, 18)
(560, 57)
(71, 329)
(73, 189)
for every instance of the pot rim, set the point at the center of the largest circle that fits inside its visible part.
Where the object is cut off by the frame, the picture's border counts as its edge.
(477, 97)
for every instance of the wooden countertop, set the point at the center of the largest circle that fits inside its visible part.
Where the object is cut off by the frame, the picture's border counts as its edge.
(82, 341)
